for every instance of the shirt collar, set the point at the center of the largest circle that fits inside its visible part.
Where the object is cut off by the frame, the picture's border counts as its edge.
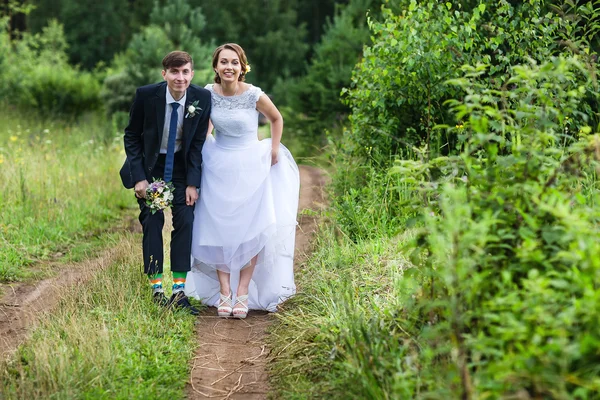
(181, 101)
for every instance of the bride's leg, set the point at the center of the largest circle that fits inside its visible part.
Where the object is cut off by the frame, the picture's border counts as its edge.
(240, 309)
(224, 282)
(224, 309)
(246, 277)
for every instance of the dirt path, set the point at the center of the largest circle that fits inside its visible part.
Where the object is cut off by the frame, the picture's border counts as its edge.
(231, 358)
(23, 304)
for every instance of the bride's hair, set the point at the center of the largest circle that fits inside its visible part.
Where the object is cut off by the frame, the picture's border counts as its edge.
(241, 55)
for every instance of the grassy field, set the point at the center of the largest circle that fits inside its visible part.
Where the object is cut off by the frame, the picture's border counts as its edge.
(63, 200)
(59, 186)
(105, 340)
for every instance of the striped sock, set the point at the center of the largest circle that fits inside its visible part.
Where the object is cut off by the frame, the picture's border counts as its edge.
(156, 283)
(179, 281)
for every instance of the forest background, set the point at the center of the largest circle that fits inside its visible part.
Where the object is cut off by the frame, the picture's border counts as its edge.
(458, 255)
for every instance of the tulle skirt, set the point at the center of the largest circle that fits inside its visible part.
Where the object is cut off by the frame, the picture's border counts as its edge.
(246, 208)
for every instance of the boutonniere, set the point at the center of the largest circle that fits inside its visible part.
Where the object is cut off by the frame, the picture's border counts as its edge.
(192, 110)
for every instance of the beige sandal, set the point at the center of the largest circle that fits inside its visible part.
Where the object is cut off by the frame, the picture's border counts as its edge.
(240, 312)
(224, 309)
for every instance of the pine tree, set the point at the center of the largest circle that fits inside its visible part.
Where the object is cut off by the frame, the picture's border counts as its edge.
(175, 26)
(316, 95)
(268, 30)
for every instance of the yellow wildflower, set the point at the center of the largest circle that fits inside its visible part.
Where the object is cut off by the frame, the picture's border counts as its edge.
(13, 138)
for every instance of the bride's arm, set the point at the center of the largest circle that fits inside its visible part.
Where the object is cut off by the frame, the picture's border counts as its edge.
(268, 109)
(210, 128)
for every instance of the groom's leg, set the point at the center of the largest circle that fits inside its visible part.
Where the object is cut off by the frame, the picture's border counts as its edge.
(181, 238)
(152, 242)
(152, 226)
(183, 220)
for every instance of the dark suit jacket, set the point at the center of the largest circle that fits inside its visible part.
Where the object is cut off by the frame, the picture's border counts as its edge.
(144, 132)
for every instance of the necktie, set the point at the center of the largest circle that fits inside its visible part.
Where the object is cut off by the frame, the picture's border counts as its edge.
(171, 144)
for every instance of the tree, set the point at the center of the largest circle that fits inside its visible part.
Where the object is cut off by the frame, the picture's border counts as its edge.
(316, 95)
(175, 26)
(95, 31)
(316, 14)
(269, 32)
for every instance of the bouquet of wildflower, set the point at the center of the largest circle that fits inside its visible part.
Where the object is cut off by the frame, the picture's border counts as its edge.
(159, 195)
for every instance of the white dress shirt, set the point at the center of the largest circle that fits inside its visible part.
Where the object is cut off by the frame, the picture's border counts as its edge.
(180, 114)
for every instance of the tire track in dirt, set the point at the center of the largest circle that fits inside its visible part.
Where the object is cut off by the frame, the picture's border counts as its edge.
(230, 362)
(24, 304)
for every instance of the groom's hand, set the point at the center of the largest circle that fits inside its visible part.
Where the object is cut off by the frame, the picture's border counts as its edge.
(140, 189)
(191, 195)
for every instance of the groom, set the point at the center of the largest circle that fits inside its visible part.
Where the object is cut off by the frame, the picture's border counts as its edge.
(164, 140)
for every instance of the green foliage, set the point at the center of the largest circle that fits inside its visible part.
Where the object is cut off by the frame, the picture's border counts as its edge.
(96, 31)
(501, 299)
(316, 95)
(174, 26)
(510, 258)
(399, 89)
(35, 75)
(367, 204)
(268, 30)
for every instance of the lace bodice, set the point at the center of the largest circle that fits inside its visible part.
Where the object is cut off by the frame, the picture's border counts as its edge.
(235, 117)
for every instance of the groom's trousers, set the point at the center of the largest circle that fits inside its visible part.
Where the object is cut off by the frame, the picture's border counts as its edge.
(183, 219)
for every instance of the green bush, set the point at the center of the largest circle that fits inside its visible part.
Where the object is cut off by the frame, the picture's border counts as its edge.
(58, 90)
(500, 299)
(399, 89)
(510, 263)
(37, 78)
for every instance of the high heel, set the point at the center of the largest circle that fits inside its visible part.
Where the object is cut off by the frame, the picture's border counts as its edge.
(240, 312)
(224, 309)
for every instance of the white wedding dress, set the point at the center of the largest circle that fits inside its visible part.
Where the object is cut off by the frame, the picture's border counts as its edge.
(246, 207)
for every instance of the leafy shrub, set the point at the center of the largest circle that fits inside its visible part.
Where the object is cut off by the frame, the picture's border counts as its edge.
(399, 88)
(510, 266)
(37, 78)
(501, 299)
(59, 90)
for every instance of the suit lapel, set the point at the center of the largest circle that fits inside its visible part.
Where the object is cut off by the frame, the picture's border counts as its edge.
(187, 122)
(161, 99)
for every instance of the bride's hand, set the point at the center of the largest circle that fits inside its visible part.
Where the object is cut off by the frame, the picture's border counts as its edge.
(274, 156)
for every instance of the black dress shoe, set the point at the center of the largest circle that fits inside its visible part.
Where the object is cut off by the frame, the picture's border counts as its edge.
(160, 299)
(180, 300)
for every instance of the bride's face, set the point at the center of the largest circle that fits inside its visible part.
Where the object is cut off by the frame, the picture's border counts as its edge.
(228, 66)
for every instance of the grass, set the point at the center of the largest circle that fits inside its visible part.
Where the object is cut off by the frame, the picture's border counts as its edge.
(59, 183)
(105, 340)
(330, 337)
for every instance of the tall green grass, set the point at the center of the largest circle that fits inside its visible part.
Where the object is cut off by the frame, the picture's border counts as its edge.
(336, 338)
(105, 340)
(59, 183)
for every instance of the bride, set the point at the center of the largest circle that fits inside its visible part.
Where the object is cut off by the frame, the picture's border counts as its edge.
(245, 220)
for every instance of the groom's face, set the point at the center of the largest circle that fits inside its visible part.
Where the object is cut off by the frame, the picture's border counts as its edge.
(178, 78)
